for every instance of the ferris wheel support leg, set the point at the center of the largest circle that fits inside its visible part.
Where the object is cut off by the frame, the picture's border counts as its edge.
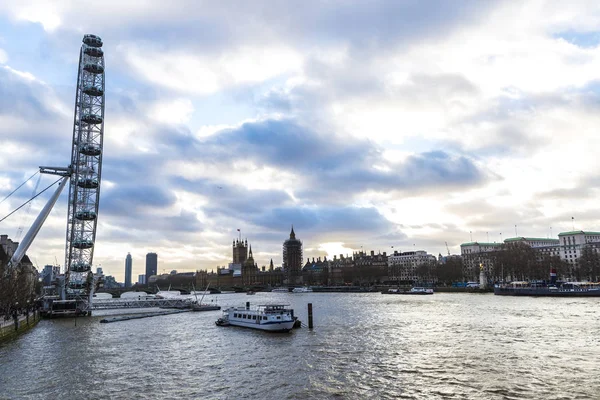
(35, 228)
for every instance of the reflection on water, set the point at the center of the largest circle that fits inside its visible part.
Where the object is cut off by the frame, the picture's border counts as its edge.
(446, 346)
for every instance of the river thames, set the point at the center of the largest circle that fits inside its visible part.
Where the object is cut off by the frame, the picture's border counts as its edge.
(445, 346)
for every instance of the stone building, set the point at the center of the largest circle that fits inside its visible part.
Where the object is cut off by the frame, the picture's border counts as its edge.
(370, 268)
(316, 272)
(242, 273)
(478, 255)
(402, 267)
(249, 271)
(570, 245)
(292, 259)
(341, 270)
(240, 251)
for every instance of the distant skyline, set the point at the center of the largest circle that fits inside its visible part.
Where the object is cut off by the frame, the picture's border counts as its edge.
(363, 125)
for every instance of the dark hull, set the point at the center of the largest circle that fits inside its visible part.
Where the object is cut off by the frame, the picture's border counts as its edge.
(545, 292)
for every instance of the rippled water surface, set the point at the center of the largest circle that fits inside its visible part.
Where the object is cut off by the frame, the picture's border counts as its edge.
(445, 346)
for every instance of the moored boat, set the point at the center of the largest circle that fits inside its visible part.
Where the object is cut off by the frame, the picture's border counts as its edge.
(266, 317)
(566, 289)
(195, 306)
(414, 290)
(280, 290)
(304, 289)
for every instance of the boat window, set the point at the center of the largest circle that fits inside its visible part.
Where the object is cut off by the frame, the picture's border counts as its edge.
(264, 317)
(254, 317)
(278, 317)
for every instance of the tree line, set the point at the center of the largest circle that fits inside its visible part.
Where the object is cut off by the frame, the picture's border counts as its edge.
(18, 288)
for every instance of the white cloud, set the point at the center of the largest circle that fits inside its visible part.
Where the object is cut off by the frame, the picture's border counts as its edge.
(176, 111)
(209, 130)
(335, 249)
(45, 13)
(206, 74)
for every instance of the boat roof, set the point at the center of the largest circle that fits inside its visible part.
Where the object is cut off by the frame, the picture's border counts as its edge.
(263, 305)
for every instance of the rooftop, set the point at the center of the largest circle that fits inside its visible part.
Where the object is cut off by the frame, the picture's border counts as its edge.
(480, 244)
(529, 239)
(578, 233)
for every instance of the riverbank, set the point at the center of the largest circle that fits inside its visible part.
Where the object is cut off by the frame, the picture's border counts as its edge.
(11, 329)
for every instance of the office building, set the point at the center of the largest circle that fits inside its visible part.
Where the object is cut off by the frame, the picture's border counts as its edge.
(151, 265)
(128, 264)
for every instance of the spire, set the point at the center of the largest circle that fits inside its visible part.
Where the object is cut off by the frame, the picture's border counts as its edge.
(292, 234)
(251, 251)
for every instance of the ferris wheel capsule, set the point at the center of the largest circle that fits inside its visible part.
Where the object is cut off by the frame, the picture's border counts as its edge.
(85, 215)
(80, 266)
(90, 150)
(91, 119)
(93, 91)
(94, 52)
(92, 40)
(93, 68)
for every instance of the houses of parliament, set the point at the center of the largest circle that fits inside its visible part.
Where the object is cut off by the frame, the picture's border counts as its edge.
(243, 271)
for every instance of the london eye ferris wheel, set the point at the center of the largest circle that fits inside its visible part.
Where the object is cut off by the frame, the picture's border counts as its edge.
(86, 169)
(84, 175)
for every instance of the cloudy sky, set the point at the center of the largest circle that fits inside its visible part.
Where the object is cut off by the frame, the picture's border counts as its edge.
(364, 124)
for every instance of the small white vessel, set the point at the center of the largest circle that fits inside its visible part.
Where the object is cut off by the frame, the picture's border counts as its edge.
(421, 290)
(103, 296)
(168, 294)
(414, 290)
(304, 289)
(266, 317)
(280, 290)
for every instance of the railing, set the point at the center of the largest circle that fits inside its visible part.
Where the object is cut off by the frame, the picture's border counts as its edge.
(125, 303)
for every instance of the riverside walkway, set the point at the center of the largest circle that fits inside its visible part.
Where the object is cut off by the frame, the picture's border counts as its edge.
(10, 328)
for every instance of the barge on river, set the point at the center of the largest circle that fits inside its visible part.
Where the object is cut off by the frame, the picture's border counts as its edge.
(566, 289)
(266, 317)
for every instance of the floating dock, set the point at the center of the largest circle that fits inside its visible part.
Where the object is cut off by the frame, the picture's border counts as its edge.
(139, 316)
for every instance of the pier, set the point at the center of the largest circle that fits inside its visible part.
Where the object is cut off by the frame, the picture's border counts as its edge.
(113, 304)
(140, 316)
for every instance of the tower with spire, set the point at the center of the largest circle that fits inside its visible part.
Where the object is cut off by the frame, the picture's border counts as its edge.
(292, 259)
(249, 270)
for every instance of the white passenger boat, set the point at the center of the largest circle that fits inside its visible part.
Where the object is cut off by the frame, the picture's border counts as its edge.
(414, 290)
(305, 289)
(266, 317)
(280, 290)
(421, 290)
